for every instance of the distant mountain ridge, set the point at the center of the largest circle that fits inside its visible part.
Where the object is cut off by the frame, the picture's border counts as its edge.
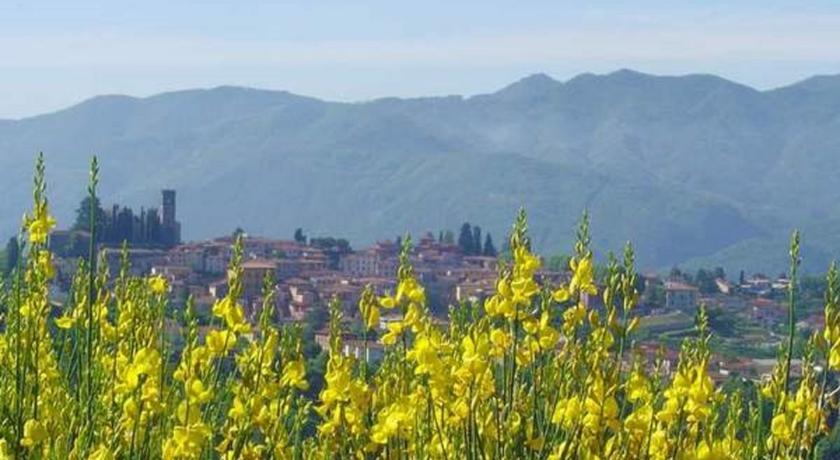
(693, 169)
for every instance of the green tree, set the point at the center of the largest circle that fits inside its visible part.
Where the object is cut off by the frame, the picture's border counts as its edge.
(676, 274)
(489, 249)
(449, 237)
(333, 248)
(705, 281)
(83, 216)
(476, 245)
(722, 322)
(558, 262)
(465, 239)
(641, 285)
(656, 296)
(300, 238)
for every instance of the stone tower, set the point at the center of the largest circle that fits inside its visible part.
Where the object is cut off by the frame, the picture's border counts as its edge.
(171, 228)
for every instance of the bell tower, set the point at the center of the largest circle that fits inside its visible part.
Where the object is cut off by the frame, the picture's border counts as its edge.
(171, 227)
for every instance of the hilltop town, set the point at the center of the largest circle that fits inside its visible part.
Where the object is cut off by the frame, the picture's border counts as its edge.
(306, 273)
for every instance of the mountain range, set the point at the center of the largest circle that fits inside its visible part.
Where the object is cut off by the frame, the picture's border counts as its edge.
(695, 170)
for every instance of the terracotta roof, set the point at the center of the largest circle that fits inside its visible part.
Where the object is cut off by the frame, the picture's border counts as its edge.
(677, 286)
(259, 263)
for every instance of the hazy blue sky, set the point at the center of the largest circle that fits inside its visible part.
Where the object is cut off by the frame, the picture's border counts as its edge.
(56, 53)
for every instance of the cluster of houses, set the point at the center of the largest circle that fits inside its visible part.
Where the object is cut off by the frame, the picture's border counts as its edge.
(758, 296)
(303, 277)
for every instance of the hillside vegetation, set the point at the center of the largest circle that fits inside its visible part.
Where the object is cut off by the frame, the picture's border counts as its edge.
(694, 169)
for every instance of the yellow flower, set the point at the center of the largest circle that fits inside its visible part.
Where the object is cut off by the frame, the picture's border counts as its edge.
(220, 342)
(583, 274)
(232, 313)
(238, 409)
(40, 224)
(186, 441)
(560, 295)
(197, 393)
(410, 289)
(523, 289)
(387, 302)
(715, 451)
(65, 322)
(5, 452)
(500, 340)
(392, 421)
(45, 263)
(638, 423)
(506, 307)
(372, 318)
(637, 387)
(424, 353)
(395, 329)
(574, 316)
(294, 374)
(34, 433)
(101, 453)
(781, 427)
(368, 308)
(158, 284)
(474, 353)
(525, 261)
(601, 407)
(547, 335)
(567, 412)
(146, 362)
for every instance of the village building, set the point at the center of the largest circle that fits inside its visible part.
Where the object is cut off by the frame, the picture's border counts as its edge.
(254, 274)
(680, 296)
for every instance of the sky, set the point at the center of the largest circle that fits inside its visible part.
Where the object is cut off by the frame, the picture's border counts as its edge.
(55, 53)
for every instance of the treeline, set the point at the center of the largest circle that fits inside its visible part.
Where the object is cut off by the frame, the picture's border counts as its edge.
(704, 278)
(122, 224)
(333, 247)
(470, 242)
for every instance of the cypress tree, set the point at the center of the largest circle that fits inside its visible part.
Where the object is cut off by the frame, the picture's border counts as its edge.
(449, 237)
(476, 241)
(489, 248)
(465, 239)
